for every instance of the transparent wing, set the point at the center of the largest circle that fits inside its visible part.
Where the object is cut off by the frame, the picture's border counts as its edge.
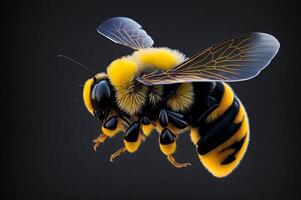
(125, 31)
(236, 59)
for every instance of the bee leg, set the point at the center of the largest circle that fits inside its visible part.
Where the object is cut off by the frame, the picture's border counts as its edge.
(132, 140)
(100, 139)
(146, 126)
(168, 147)
(117, 153)
(142, 137)
(109, 129)
(172, 160)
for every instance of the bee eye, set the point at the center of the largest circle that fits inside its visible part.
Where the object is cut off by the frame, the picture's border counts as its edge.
(103, 91)
(102, 94)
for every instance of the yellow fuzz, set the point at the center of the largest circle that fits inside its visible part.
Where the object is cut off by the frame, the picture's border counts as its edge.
(87, 95)
(147, 129)
(213, 159)
(108, 132)
(225, 103)
(130, 97)
(122, 71)
(101, 76)
(169, 148)
(195, 136)
(182, 99)
(132, 146)
(119, 128)
(112, 133)
(159, 58)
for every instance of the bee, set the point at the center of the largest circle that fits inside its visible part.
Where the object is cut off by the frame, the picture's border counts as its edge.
(158, 89)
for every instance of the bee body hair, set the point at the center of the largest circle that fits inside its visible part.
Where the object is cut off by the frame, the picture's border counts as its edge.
(221, 138)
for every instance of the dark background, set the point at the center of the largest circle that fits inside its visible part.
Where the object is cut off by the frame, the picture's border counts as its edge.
(46, 133)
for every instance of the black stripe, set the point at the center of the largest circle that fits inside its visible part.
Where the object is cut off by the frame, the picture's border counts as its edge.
(218, 92)
(204, 100)
(201, 104)
(218, 131)
(236, 146)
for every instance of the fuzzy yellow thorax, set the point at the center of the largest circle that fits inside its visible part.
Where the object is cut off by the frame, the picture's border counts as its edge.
(122, 73)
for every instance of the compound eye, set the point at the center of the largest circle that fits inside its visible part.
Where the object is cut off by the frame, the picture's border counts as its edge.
(102, 94)
(103, 91)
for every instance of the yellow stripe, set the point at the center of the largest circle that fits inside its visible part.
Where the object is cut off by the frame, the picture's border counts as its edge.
(212, 160)
(224, 104)
(194, 135)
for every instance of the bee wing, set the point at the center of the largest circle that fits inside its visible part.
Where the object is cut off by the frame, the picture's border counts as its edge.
(235, 59)
(125, 31)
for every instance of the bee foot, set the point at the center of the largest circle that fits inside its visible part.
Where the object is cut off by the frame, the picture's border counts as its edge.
(98, 140)
(143, 137)
(172, 160)
(117, 153)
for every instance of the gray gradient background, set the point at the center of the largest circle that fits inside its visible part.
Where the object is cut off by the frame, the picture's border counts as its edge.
(46, 150)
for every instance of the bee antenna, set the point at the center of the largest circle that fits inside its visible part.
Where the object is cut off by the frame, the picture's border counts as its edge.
(79, 64)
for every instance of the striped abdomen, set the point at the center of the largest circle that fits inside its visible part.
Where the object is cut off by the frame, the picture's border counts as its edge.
(222, 137)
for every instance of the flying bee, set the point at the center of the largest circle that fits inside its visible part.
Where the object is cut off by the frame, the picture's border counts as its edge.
(157, 88)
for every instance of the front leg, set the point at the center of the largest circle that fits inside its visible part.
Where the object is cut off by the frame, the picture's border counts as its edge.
(100, 139)
(132, 140)
(117, 153)
(110, 128)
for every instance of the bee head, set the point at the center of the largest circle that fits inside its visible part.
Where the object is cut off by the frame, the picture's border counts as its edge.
(98, 95)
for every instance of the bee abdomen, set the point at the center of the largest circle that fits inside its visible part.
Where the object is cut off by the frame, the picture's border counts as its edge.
(222, 140)
(217, 132)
